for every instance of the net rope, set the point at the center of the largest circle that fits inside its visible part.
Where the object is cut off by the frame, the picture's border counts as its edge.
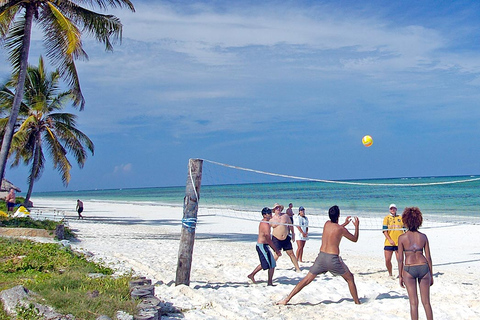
(242, 196)
(343, 182)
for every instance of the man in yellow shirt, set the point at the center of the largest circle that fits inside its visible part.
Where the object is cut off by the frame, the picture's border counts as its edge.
(392, 229)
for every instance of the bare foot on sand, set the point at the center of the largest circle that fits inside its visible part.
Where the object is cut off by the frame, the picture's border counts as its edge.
(252, 278)
(282, 302)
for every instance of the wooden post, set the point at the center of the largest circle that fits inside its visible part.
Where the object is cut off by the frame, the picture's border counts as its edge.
(189, 221)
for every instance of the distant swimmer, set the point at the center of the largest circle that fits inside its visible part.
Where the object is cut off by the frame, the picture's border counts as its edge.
(328, 259)
(264, 240)
(417, 266)
(79, 209)
(281, 225)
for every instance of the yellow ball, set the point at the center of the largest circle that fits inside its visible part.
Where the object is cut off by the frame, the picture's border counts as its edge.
(367, 141)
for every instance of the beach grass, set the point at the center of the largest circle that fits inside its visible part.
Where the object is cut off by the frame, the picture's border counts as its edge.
(3, 313)
(63, 279)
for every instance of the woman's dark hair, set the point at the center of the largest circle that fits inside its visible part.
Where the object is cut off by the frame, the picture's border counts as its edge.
(334, 213)
(412, 218)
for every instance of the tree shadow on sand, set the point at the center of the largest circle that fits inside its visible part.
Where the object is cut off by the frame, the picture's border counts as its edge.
(127, 221)
(296, 279)
(382, 296)
(218, 285)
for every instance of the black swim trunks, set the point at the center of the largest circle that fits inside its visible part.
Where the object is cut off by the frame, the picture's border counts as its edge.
(390, 248)
(283, 244)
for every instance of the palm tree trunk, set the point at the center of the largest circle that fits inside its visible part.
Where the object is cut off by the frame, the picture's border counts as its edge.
(35, 169)
(7, 138)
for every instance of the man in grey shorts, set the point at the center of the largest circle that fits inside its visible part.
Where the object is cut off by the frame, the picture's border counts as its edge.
(328, 259)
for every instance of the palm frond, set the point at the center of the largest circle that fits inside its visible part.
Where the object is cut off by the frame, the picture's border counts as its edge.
(58, 155)
(73, 139)
(63, 44)
(105, 28)
(23, 144)
(37, 170)
(71, 36)
(102, 4)
(8, 11)
(6, 102)
(14, 43)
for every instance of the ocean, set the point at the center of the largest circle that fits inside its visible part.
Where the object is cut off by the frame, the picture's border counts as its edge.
(458, 200)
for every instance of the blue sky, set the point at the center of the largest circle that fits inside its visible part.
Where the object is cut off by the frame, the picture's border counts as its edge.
(281, 86)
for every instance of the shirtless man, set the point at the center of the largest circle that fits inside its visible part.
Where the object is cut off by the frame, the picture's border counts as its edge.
(10, 200)
(79, 209)
(289, 211)
(264, 240)
(328, 259)
(280, 224)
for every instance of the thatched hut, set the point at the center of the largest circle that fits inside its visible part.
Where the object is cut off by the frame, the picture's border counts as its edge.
(5, 188)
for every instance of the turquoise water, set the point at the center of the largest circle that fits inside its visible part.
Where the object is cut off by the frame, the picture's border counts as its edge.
(460, 201)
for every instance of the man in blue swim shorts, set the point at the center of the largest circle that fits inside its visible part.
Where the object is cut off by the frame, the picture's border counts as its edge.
(328, 259)
(264, 240)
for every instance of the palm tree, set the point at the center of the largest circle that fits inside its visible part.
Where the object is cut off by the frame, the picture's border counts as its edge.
(62, 23)
(42, 128)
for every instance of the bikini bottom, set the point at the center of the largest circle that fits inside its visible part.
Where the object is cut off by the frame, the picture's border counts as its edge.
(418, 271)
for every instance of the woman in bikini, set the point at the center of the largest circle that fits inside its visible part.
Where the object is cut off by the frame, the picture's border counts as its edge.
(415, 262)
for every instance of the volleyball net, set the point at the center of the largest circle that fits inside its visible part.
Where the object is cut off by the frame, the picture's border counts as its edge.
(241, 193)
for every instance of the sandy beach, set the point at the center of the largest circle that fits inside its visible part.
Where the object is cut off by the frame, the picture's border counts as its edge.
(145, 238)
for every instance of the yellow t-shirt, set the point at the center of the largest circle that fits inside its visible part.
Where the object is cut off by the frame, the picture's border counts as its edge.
(390, 222)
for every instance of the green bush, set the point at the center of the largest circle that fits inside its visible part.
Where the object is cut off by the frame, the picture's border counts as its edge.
(61, 278)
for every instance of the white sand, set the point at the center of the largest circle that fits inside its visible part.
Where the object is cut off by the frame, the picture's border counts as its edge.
(146, 239)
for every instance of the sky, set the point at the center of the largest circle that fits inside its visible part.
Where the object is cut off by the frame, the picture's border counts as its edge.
(288, 87)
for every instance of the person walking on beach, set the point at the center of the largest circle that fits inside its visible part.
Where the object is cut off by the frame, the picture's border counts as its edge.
(79, 209)
(10, 200)
(328, 259)
(301, 222)
(413, 265)
(281, 225)
(392, 229)
(264, 240)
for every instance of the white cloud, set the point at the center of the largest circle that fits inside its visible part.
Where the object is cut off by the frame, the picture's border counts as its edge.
(202, 32)
(122, 169)
(213, 69)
